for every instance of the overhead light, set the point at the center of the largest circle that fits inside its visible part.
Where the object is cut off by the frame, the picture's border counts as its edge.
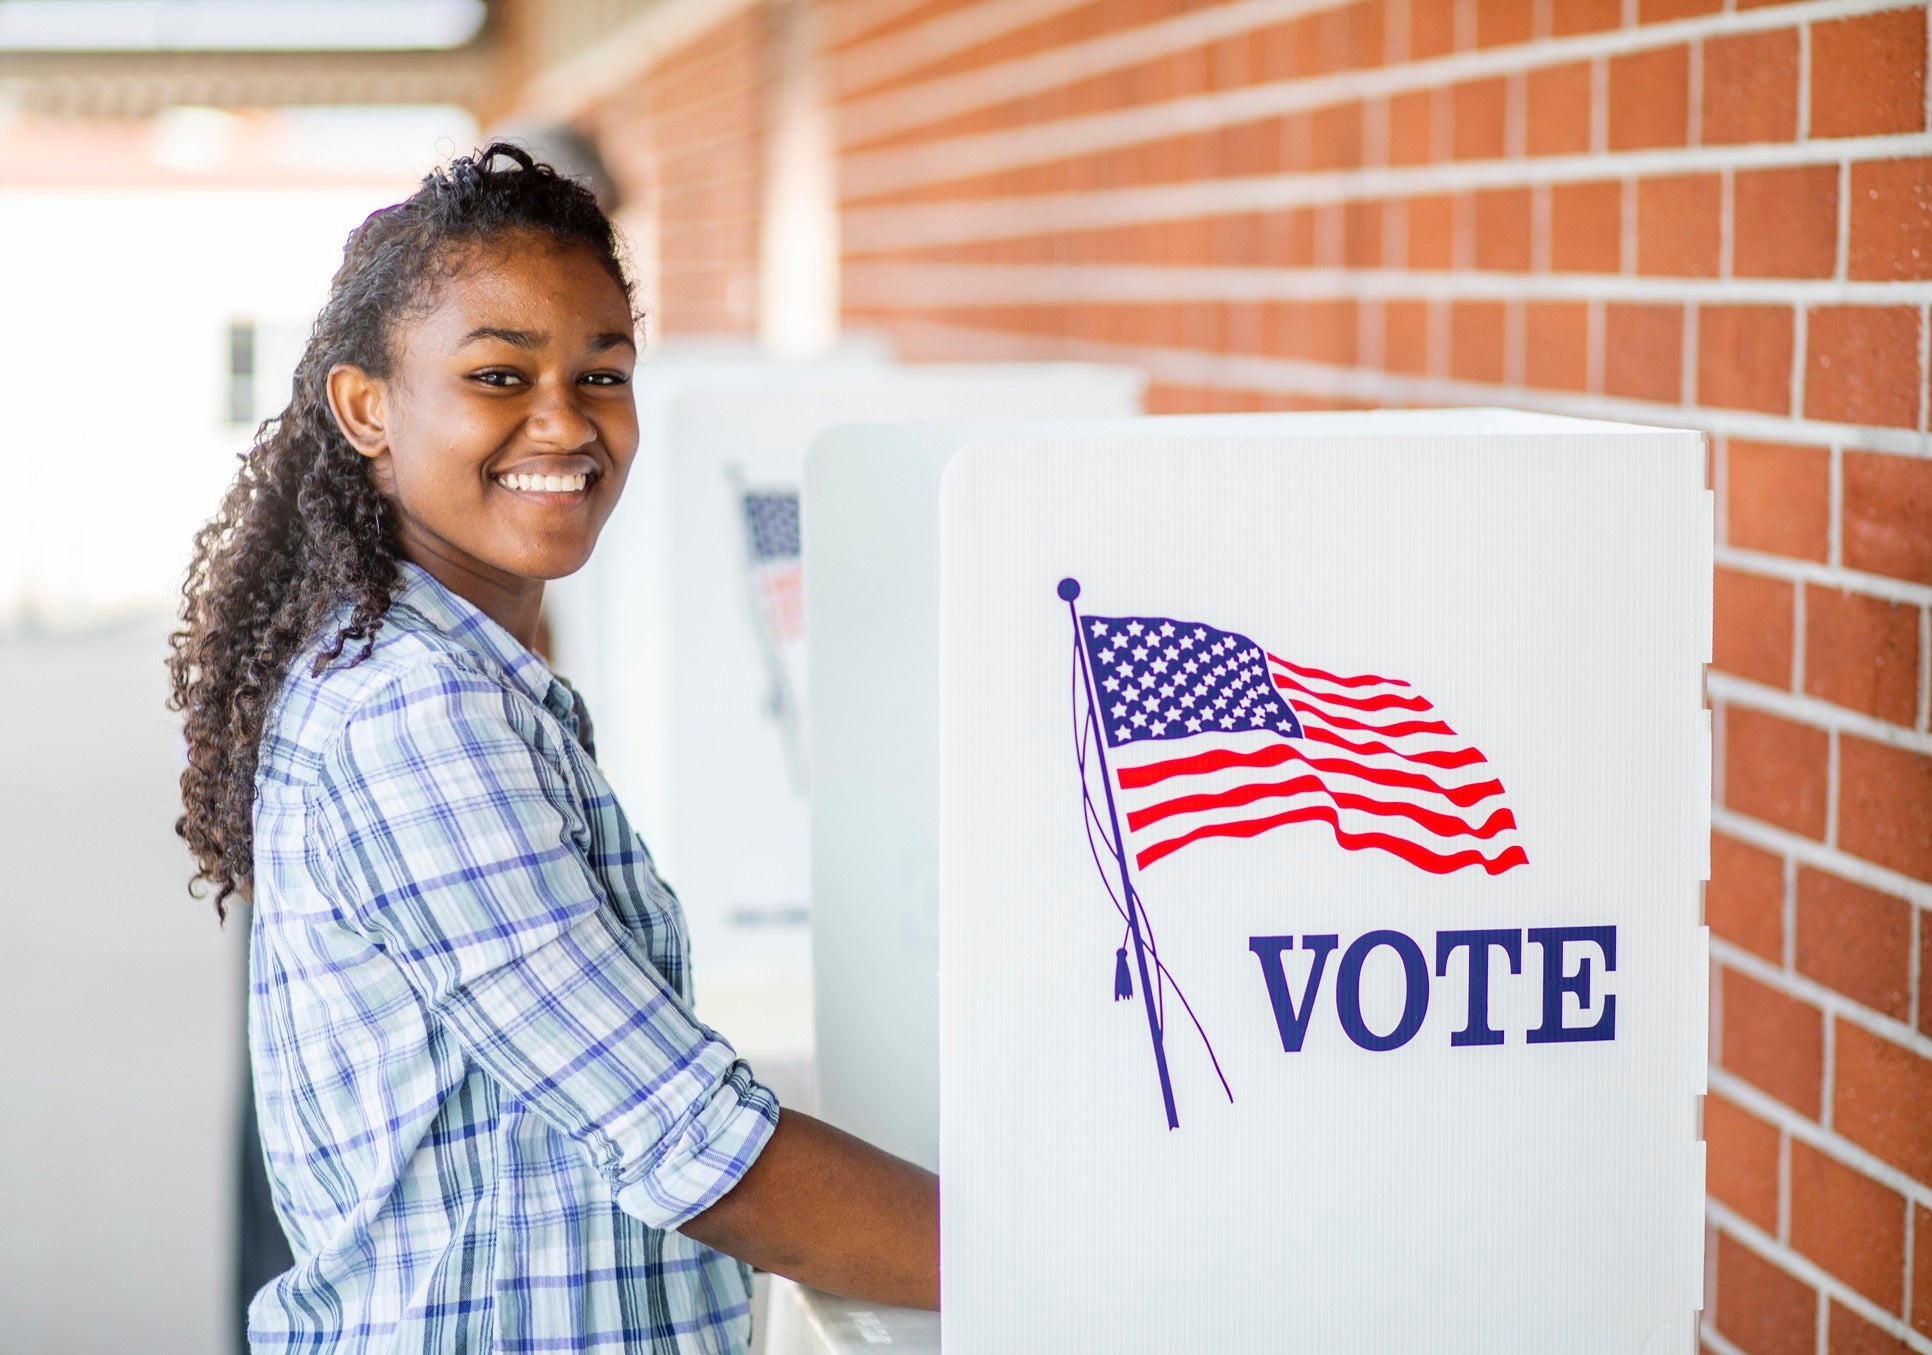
(237, 25)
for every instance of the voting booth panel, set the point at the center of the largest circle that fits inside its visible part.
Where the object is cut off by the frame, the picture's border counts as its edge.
(1322, 822)
(872, 601)
(687, 628)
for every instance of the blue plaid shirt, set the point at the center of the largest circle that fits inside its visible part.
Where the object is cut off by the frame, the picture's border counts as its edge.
(485, 1102)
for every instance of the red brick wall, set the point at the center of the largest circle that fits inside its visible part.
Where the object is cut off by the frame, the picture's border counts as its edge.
(1715, 213)
(685, 143)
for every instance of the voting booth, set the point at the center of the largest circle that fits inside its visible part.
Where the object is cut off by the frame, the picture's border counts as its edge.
(1318, 810)
(687, 632)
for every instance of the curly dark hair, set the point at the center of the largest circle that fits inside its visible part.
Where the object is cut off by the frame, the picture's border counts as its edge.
(303, 530)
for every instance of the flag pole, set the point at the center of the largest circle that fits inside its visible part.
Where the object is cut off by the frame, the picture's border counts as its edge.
(1070, 590)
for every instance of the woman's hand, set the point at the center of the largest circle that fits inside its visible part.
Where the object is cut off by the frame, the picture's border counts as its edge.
(833, 1212)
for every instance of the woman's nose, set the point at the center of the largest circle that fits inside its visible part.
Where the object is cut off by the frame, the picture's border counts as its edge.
(558, 419)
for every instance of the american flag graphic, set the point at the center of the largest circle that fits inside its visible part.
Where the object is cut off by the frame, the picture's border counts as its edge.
(1211, 736)
(1196, 733)
(771, 526)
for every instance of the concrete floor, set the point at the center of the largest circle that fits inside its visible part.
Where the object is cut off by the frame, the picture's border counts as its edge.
(121, 1002)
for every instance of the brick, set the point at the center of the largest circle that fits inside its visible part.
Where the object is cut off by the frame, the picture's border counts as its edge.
(1412, 127)
(1366, 33)
(1557, 99)
(1586, 227)
(1432, 232)
(1882, 1098)
(1432, 30)
(1476, 341)
(1862, 652)
(1500, 22)
(1361, 234)
(1925, 986)
(1251, 148)
(1761, 1308)
(1584, 16)
(1741, 1161)
(1754, 629)
(1649, 98)
(1503, 229)
(1846, 1333)
(1557, 345)
(1849, 1224)
(1750, 88)
(1855, 940)
(1744, 357)
(1319, 44)
(1775, 1042)
(1885, 805)
(1774, 770)
(1677, 225)
(1921, 1270)
(1336, 134)
(1785, 222)
(1891, 220)
(1659, 11)
(1888, 515)
(1642, 352)
(1868, 74)
(1744, 901)
(1405, 337)
(1318, 331)
(1778, 498)
(1862, 365)
(1479, 109)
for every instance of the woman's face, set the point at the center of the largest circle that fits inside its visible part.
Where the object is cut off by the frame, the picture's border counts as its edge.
(502, 435)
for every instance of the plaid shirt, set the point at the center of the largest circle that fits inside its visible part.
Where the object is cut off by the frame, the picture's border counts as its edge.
(484, 1099)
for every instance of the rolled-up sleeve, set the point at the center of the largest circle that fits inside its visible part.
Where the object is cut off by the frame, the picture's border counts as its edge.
(445, 818)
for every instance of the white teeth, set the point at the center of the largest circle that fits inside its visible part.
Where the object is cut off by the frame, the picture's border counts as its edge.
(545, 484)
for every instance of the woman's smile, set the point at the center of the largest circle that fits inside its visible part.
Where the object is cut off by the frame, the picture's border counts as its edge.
(548, 487)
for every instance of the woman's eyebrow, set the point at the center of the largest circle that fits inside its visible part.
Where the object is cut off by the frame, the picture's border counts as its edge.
(532, 340)
(520, 338)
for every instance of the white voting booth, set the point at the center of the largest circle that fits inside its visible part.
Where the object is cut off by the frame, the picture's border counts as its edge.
(686, 632)
(1368, 1014)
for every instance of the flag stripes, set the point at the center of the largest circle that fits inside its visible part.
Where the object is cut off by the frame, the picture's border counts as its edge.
(1373, 761)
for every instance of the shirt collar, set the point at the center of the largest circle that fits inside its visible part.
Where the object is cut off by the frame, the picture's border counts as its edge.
(469, 627)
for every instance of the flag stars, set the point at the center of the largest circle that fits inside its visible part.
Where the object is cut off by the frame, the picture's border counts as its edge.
(1099, 627)
(1134, 628)
(1167, 628)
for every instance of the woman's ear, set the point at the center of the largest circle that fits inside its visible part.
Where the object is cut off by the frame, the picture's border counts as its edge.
(355, 397)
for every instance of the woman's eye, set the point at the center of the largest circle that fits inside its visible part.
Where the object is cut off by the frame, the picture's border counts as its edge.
(498, 377)
(607, 378)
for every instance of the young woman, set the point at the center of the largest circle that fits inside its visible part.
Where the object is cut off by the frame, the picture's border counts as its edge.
(490, 1119)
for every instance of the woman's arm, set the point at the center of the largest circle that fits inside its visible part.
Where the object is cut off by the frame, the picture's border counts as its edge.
(833, 1212)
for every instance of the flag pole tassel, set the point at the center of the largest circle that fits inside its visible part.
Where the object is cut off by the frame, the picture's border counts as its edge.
(1069, 590)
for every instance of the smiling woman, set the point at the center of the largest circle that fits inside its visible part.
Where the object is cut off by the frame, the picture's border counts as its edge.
(503, 432)
(489, 1116)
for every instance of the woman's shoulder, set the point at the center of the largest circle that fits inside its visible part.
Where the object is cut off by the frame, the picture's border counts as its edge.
(406, 660)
